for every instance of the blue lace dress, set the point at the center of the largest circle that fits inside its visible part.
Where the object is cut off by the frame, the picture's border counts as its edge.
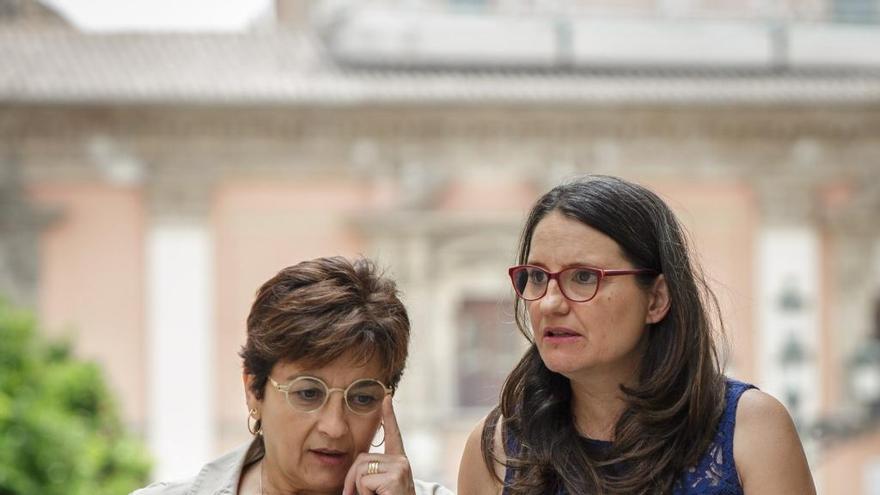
(715, 474)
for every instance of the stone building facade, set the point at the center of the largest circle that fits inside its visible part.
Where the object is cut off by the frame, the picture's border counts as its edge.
(151, 182)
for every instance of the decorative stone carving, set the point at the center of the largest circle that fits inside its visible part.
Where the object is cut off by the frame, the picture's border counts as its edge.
(20, 226)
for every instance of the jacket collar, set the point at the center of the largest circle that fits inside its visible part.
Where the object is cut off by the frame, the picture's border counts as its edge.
(221, 476)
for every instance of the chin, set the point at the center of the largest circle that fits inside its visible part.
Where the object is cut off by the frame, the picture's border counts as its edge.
(328, 486)
(326, 479)
(564, 365)
(565, 370)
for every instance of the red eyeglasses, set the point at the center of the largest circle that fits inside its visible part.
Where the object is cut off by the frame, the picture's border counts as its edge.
(577, 284)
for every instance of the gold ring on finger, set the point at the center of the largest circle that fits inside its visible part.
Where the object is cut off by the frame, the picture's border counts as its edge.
(373, 467)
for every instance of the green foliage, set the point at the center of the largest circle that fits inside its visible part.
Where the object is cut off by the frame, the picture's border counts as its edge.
(60, 432)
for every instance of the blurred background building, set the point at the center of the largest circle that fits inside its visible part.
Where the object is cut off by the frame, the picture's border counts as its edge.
(151, 181)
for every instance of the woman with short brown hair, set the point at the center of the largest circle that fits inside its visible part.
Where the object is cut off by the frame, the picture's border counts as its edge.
(317, 328)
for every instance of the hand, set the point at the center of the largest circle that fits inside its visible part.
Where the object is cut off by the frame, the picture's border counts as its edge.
(394, 476)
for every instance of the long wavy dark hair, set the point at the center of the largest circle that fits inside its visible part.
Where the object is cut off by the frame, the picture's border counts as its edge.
(671, 413)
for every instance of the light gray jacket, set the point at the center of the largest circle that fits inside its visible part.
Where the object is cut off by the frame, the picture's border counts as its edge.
(220, 477)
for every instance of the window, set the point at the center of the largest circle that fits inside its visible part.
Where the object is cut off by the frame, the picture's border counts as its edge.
(488, 346)
(876, 319)
(855, 11)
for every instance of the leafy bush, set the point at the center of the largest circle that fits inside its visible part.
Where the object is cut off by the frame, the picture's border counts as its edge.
(60, 431)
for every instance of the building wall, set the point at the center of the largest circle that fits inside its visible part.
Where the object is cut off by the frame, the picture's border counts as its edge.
(438, 195)
(723, 220)
(851, 468)
(92, 283)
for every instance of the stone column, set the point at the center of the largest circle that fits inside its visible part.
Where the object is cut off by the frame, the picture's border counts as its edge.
(789, 297)
(180, 325)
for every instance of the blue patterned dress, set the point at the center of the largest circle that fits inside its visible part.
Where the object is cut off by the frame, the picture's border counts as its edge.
(715, 474)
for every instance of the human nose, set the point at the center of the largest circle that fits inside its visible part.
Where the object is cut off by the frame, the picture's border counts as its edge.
(332, 419)
(553, 300)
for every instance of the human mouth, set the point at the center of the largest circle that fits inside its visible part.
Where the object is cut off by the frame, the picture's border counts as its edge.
(329, 457)
(560, 335)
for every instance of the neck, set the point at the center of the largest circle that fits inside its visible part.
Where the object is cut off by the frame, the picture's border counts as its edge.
(596, 406)
(267, 481)
(249, 483)
(596, 399)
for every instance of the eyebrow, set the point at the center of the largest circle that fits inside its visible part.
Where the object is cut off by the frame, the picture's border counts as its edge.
(306, 374)
(299, 375)
(565, 266)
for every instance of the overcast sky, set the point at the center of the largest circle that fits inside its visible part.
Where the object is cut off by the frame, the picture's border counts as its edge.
(111, 15)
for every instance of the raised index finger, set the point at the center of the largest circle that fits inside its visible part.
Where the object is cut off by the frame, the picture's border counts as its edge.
(393, 440)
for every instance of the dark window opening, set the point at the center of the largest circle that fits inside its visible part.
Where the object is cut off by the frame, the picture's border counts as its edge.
(487, 348)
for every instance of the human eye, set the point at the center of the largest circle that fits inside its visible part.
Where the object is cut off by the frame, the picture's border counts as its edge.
(583, 276)
(537, 276)
(363, 399)
(309, 395)
(366, 396)
(307, 392)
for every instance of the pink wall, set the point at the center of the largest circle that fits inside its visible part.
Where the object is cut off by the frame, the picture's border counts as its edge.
(489, 195)
(843, 469)
(722, 219)
(92, 282)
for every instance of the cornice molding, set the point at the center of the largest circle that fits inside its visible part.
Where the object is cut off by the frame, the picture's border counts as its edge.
(416, 123)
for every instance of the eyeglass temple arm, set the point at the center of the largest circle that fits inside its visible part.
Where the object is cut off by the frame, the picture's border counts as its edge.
(628, 272)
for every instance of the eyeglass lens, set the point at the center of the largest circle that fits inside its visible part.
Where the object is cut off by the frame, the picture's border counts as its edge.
(577, 284)
(309, 394)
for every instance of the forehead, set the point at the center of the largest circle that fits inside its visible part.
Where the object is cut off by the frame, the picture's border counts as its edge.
(338, 373)
(560, 240)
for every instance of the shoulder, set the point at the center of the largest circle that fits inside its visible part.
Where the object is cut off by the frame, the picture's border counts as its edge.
(474, 477)
(760, 418)
(221, 474)
(166, 488)
(766, 447)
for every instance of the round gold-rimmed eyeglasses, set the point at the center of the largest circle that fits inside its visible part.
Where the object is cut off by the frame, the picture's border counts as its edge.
(309, 394)
(577, 284)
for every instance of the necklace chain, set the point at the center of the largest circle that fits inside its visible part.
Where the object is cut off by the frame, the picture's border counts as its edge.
(261, 477)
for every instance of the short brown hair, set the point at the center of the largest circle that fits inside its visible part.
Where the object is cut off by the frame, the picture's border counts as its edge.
(319, 310)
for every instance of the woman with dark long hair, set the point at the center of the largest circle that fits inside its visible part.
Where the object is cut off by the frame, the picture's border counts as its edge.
(621, 389)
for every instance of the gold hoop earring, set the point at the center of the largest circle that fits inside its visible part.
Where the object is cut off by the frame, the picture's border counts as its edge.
(256, 428)
(381, 425)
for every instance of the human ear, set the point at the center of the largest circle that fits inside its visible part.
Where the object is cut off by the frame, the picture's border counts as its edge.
(249, 397)
(658, 300)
